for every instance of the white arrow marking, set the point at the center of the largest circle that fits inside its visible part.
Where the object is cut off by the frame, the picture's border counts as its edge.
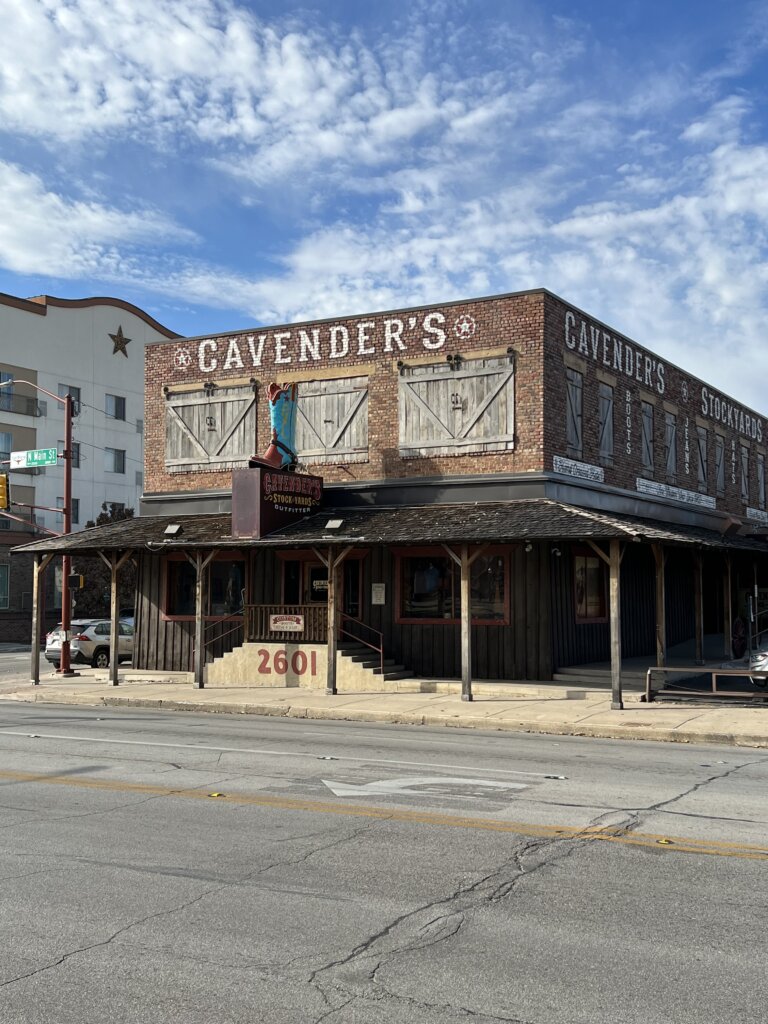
(393, 787)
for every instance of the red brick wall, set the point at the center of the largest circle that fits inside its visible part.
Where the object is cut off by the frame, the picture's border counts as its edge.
(594, 353)
(545, 334)
(515, 321)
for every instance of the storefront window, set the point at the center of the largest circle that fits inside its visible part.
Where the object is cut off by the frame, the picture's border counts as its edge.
(590, 588)
(179, 587)
(226, 584)
(223, 590)
(430, 588)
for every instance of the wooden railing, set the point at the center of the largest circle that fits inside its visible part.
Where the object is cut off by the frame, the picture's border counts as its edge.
(315, 623)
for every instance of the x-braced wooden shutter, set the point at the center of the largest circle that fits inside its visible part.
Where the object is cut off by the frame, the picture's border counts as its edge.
(446, 411)
(332, 420)
(210, 428)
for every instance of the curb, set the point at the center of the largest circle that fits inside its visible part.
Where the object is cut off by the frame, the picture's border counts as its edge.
(453, 721)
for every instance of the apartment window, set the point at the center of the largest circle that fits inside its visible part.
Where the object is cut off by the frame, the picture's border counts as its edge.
(6, 445)
(74, 393)
(4, 585)
(605, 422)
(114, 460)
(115, 506)
(430, 588)
(75, 512)
(590, 582)
(745, 474)
(115, 407)
(646, 438)
(701, 451)
(670, 445)
(761, 482)
(574, 385)
(720, 464)
(6, 393)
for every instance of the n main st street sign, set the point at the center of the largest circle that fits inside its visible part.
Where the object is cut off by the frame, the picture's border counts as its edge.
(33, 458)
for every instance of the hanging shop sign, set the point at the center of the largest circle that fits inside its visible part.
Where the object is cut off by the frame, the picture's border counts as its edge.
(264, 500)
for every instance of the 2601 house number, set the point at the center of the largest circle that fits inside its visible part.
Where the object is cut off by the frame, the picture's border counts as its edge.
(278, 662)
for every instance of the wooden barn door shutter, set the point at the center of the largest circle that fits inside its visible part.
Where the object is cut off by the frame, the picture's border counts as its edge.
(332, 420)
(445, 411)
(210, 427)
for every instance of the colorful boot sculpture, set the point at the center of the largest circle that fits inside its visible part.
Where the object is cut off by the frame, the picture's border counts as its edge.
(280, 453)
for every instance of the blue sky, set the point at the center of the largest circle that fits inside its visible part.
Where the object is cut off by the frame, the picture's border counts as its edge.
(227, 164)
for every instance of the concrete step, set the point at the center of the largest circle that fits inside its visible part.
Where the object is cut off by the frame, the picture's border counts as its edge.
(388, 667)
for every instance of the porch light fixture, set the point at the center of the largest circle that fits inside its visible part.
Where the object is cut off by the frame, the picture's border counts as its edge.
(528, 546)
(172, 530)
(556, 552)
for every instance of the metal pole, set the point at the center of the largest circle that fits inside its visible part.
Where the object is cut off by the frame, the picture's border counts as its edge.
(66, 594)
(34, 668)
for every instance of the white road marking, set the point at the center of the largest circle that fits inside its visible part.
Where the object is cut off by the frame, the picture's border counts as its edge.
(273, 753)
(398, 787)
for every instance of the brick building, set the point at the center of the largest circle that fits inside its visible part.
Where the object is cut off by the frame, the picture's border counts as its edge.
(503, 477)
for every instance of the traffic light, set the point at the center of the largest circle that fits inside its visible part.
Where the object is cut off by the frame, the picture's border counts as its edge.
(5, 492)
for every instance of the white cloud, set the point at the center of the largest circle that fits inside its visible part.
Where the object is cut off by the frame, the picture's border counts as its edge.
(46, 233)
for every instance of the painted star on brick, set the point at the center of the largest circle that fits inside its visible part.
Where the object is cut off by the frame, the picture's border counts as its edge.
(120, 341)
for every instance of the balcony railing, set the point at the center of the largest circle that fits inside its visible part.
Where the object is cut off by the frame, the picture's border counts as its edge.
(23, 405)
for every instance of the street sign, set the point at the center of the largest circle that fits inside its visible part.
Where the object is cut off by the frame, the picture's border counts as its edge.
(34, 457)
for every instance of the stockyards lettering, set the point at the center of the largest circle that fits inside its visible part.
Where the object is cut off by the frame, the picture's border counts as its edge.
(722, 410)
(292, 492)
(294, 346)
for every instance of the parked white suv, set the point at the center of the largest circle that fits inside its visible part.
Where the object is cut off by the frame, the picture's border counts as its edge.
(89, 644)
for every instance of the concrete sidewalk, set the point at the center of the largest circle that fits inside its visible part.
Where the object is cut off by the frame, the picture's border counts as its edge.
(533, 709)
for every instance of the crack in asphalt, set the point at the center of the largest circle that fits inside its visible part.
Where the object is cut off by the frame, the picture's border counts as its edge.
(440, 927)
(716, 777)
(352, 835)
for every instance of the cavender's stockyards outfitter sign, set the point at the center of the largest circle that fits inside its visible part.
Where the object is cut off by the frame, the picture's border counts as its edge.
(263, 500)
(294, 346)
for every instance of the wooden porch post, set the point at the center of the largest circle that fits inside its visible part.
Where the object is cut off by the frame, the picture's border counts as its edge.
(660, 557)
(727, 608)
(332, 563)
(617, 703)
(41, 563)
(330, 682)
(200, 563)
(613, 560)
(115, 563)
(464, 561)
(698, 600)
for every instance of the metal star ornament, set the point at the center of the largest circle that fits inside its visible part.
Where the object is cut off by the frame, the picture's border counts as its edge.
(119, 341)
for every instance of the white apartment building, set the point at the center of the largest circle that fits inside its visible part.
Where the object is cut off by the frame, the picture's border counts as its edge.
(94, 350)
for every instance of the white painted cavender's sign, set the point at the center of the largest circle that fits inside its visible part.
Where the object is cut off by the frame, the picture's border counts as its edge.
(294, 346)
(615, 353)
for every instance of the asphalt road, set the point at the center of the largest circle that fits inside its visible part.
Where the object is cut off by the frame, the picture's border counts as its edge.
(169, 867)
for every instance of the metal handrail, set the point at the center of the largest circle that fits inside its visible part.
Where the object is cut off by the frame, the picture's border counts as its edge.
(713, 673)
(343, 617)
(217, 622)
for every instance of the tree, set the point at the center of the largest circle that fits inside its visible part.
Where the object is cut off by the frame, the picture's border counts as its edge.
(93, 600)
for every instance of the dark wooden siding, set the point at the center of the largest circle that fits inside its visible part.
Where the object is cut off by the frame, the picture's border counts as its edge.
(576, 643)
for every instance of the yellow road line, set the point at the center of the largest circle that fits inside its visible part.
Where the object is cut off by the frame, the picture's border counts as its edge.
(609, 834)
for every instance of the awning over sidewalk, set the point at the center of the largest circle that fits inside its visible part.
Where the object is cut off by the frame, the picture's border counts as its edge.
(520, 520)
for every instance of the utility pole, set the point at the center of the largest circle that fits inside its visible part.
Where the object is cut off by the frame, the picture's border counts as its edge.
(66, 594)
(65, 667)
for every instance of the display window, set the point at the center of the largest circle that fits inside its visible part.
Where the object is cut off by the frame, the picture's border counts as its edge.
(429, 587)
